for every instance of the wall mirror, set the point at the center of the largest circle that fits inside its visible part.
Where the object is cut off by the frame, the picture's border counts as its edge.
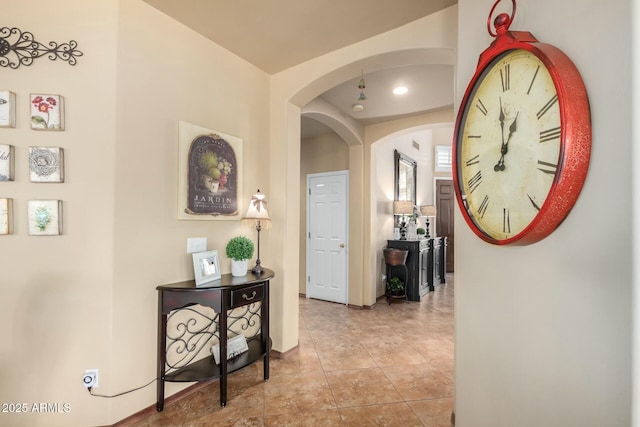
(405, 177)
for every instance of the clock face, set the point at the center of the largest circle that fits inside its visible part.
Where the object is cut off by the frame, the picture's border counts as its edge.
(508, 145)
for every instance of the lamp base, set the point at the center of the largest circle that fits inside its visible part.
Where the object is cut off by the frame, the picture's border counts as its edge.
(258, 268)
(403, 231)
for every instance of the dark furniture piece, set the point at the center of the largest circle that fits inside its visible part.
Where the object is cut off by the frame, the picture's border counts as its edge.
(440, 258)
(425, 263)
(394, 258)
(200, 317)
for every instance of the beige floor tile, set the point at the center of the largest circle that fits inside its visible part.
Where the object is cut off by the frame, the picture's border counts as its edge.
(433, 413)
(392, 415)
(328, 418)
(362, 387)
(391, 365)
(419, 382)
(296, 400)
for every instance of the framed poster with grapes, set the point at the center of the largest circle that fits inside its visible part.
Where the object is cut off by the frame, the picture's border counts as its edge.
(210, 174)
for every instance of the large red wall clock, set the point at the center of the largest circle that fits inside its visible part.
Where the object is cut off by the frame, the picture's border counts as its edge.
(522, 138)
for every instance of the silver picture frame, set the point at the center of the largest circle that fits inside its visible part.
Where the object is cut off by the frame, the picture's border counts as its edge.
(206, 268)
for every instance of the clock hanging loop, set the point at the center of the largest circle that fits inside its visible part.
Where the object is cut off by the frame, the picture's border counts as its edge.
(502, 21)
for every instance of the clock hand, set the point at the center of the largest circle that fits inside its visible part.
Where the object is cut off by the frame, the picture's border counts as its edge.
(505, 145)
(501, 118)
(500, 165)
(512, 129)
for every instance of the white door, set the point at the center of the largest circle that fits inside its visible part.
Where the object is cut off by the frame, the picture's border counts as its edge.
(327, 233)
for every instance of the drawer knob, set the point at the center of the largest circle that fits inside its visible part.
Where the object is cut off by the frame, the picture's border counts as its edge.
(246, 298)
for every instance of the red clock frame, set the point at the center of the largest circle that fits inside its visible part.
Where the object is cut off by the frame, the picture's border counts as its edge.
(575, 137)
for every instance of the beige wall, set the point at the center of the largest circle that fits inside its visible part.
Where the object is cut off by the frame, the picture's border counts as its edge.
(543, 332)
(166, 74)
(323, 153)
(56, 291)
(87, 299)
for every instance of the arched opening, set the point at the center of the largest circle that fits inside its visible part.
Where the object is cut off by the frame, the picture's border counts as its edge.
(428, 41)
(364, 277)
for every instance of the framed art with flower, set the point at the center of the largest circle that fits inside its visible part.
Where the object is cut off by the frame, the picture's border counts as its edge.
(7, 109)
(47, 112)
(209, 174)
(45, 217)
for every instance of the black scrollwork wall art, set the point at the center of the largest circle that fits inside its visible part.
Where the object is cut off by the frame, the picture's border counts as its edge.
(18, 48)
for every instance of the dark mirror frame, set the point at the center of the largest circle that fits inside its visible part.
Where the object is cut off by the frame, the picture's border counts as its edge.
(402, 164)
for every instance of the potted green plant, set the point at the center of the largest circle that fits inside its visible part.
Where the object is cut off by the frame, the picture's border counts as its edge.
(239, 250)
(395, 286)
(421, 232)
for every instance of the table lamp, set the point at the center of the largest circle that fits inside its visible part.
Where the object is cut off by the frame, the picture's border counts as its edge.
(403, 208)
(258, 212)
(428, 211)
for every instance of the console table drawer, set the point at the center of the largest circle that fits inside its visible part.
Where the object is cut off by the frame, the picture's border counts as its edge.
(247, 295)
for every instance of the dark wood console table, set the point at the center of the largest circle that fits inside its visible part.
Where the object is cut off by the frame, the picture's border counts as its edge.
(200, 317)
(425, 264)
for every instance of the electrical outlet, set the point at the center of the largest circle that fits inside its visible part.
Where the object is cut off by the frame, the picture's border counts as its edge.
(90, 378)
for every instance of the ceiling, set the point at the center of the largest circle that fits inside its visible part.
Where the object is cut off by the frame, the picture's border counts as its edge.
(277, 34)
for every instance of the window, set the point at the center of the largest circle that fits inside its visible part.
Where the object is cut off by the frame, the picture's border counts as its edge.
(443, 158)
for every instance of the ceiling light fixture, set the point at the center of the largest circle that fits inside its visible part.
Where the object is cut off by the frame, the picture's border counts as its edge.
(400, 90)
(357, 107)
(361, 86)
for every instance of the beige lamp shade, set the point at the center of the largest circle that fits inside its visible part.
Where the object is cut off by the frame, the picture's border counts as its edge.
(257, 208)
(428, 210)
(402, 207)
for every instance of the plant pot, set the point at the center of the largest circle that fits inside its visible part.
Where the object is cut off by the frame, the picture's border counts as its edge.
(239, 268)
(394, 257)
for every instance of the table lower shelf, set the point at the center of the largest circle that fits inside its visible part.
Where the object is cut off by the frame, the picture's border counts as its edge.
(206, 369)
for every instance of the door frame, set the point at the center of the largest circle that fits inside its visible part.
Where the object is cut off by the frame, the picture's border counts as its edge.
(435, 190)
(308, 225)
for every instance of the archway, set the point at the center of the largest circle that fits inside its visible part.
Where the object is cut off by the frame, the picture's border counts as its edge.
(427, 41)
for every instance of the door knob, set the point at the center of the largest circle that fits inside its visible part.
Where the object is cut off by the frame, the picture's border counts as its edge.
(342, 245)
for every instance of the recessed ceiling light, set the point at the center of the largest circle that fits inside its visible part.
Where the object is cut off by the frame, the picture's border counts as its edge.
(400, 90)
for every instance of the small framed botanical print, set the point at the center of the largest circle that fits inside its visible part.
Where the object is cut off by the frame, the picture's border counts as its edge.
(47, 112)
(6, 162)
(46, 164)
(45, 217)
(7, 109)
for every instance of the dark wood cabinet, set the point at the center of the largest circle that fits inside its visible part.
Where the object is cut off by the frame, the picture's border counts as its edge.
(440, 259)
(425, 264)
(191, 320)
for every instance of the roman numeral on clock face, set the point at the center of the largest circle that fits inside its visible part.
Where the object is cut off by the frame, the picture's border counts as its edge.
(473, 161)
(504, 77)
(547, 106)
(550, 134)
(533, 79)
(475, 181)
(480, 106)
(506, 222)
(483, 206)
(546, 167)
(535, 205)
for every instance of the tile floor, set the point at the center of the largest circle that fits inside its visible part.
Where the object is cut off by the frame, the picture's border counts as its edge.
(391, 365)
